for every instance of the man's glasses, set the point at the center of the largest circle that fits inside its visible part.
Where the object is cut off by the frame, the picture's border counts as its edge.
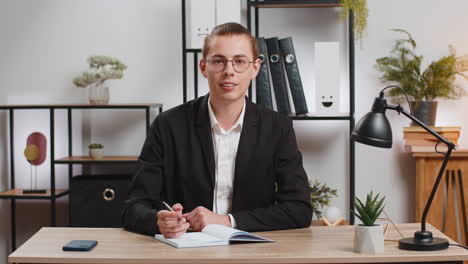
(218, 63)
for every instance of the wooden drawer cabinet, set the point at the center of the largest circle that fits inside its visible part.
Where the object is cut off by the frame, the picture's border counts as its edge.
(448, 210)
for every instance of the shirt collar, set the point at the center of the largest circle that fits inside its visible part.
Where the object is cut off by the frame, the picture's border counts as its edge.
(214, 122)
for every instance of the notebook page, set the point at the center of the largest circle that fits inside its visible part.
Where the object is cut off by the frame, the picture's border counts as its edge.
(220, 231)
(191, 239)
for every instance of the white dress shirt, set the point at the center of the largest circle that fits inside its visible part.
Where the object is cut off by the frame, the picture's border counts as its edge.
(225, 145)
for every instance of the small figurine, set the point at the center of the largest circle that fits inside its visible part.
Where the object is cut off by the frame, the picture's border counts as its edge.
(35, 153)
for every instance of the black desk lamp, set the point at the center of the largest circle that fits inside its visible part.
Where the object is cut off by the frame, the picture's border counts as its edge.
(374, 129)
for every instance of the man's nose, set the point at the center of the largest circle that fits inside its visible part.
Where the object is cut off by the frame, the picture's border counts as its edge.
(229, 68)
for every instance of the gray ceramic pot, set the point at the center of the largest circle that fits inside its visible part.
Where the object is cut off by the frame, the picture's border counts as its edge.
(425, 111)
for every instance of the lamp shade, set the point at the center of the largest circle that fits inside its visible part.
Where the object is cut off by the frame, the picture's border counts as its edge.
(374, 128)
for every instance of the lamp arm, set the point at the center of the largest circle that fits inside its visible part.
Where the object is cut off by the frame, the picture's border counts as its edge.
(450, 146)
(400, 109)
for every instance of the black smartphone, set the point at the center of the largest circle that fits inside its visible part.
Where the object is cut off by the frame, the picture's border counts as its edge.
(80, 245)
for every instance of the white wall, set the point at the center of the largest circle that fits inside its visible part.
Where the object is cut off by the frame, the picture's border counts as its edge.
(44, 44)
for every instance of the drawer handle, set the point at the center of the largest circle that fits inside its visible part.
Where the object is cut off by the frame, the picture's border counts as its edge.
(108, 194)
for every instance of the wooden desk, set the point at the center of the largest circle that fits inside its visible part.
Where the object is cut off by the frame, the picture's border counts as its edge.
(427, 168)
(309, 245)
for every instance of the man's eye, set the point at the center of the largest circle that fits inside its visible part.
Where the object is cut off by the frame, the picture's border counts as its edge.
(217, 61)
(240, 61)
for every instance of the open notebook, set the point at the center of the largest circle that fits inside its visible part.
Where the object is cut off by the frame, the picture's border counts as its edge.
(212, 235)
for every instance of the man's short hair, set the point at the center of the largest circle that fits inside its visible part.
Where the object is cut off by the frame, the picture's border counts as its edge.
(230, 29)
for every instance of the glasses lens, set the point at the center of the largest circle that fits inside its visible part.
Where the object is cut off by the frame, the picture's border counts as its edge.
(241, 64)
(218, 63)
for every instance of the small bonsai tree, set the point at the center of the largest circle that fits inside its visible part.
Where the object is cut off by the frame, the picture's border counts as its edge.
(95, 146)
(371, 210)
(320, 195)
(102, 68)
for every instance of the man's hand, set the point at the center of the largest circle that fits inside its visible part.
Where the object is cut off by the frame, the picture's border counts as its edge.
(201, 217)
(172, 224)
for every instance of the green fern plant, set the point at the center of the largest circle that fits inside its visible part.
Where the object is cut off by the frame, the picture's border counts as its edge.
(320, 196)
(436, 81)
(371, 210)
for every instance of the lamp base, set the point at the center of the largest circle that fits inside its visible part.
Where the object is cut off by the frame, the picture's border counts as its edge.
(423, 241)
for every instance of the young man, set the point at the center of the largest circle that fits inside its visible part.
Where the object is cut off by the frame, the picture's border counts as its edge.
(220, 159)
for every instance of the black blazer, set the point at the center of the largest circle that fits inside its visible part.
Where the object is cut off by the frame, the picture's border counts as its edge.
(176, 164)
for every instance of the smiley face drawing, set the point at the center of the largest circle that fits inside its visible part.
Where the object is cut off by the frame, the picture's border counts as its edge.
(327, 101)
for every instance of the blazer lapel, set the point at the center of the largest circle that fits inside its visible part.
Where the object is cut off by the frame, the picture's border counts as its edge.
(203, 128)
(247, 142)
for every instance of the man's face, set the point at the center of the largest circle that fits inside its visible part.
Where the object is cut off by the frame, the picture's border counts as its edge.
(228, 85)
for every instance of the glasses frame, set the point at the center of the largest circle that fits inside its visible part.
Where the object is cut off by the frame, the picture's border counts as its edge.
(232, 63)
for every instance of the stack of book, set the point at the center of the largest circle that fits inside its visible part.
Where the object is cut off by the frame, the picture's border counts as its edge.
(279, 64)
(419, 140)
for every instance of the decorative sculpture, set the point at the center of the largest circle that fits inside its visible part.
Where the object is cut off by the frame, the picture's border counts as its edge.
(35, 153)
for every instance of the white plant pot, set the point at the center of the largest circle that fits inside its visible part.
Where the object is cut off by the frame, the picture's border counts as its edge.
(99, 94)
(96, 153)
(368, 239)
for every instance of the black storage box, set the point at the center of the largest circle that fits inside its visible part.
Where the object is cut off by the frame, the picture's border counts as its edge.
(97, 200)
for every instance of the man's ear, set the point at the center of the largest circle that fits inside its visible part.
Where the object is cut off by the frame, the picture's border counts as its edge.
(256, 67)
(203, 67)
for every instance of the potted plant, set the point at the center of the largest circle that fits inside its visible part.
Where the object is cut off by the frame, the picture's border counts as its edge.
(403, 67)
(96, 151)
(360, 13)
(320, 195)
(103, 68)
(368, 236)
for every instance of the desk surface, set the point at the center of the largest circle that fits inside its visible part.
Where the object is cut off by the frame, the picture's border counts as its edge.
(310, 245)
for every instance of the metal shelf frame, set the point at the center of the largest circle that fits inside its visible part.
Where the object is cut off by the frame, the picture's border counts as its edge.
(117, 161)
(295, 3)
(351, 116)
(53, 195)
